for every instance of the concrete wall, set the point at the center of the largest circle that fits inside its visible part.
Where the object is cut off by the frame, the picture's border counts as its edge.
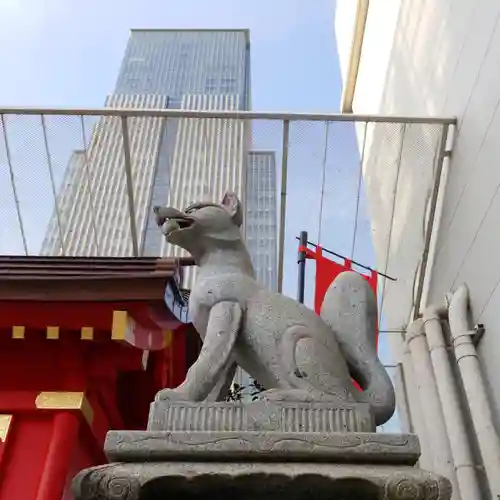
(444, 59)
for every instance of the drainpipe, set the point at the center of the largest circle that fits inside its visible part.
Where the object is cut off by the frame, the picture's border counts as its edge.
(402, 398)
(470, 372)
(429, 401)
(417, 420)
(450, 402)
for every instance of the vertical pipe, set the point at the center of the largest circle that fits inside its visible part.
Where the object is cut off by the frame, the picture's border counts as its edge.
(416, 417)
(432, 216)
(477, 398)
(284, 174)
(130, 187)
(402, 399)
(62, 444)
(302, 267)
(429, 399)
(452, 409)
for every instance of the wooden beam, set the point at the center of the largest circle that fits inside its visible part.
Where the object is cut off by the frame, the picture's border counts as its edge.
(119, 325)
(87, 333)
(18, 332)
(52, 332)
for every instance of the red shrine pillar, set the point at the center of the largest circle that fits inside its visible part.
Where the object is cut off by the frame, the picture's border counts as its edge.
(67, 376)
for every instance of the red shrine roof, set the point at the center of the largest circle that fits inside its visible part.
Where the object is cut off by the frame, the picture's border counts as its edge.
(87, 278)
(124, 299)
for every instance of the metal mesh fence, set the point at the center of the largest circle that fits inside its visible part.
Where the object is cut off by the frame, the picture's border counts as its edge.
(84, 183)
(400, 169)
(70, 183)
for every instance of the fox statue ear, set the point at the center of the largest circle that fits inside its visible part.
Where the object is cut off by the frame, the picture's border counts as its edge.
(233, 206)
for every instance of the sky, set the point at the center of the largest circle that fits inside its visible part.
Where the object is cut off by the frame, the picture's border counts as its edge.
(67, 53)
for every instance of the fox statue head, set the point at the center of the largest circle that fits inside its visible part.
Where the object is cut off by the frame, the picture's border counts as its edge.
(202, 226)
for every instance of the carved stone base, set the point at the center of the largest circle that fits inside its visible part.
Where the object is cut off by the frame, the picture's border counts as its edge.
(353, 447)
(265, 481)
(261, 415)
(266, 450)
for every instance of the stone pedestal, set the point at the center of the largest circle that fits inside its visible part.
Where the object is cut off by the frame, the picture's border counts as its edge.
(259, 450)
(261, 415)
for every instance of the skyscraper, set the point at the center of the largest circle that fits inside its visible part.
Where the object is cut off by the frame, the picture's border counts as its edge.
(187, 62)
(174, 160)
(261, 221)
(180, 69)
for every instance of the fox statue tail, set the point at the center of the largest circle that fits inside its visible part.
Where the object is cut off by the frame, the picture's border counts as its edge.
(350, 310)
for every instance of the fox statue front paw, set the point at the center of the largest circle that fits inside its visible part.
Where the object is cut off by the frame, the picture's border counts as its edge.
(172, 395)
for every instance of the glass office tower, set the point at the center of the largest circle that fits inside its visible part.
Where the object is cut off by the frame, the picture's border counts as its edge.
(179, 69)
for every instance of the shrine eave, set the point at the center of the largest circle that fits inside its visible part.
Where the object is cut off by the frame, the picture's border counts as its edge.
(88, 278)
(122, 299)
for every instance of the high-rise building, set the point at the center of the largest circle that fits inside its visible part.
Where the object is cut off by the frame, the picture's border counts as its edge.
(261, 222)
(186, 69)
(175, 160)
(187, 62)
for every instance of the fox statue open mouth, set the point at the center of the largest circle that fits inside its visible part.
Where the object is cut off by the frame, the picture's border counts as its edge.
(170, 222)
(287, 347)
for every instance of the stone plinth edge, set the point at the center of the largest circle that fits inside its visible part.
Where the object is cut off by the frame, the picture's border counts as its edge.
(140, 446)
(266, 481)
(261, 415)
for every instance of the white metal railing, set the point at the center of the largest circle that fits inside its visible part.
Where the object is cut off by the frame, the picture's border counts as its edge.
(363, 184)
(246, 115)
(83, 181)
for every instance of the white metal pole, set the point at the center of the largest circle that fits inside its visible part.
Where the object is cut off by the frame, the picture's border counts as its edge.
(284, 177)
(432, 218)
(417, 420)
(401, 398)
(452, 409)
(228, 115)
(429, 401)
(470, 372)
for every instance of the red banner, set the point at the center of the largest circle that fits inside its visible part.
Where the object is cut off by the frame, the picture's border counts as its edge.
(326, 271)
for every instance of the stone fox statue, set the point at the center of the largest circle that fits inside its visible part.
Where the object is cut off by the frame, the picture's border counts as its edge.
(294, 353)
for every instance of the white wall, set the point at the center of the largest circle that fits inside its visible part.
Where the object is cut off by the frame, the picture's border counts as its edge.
(445, 60)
